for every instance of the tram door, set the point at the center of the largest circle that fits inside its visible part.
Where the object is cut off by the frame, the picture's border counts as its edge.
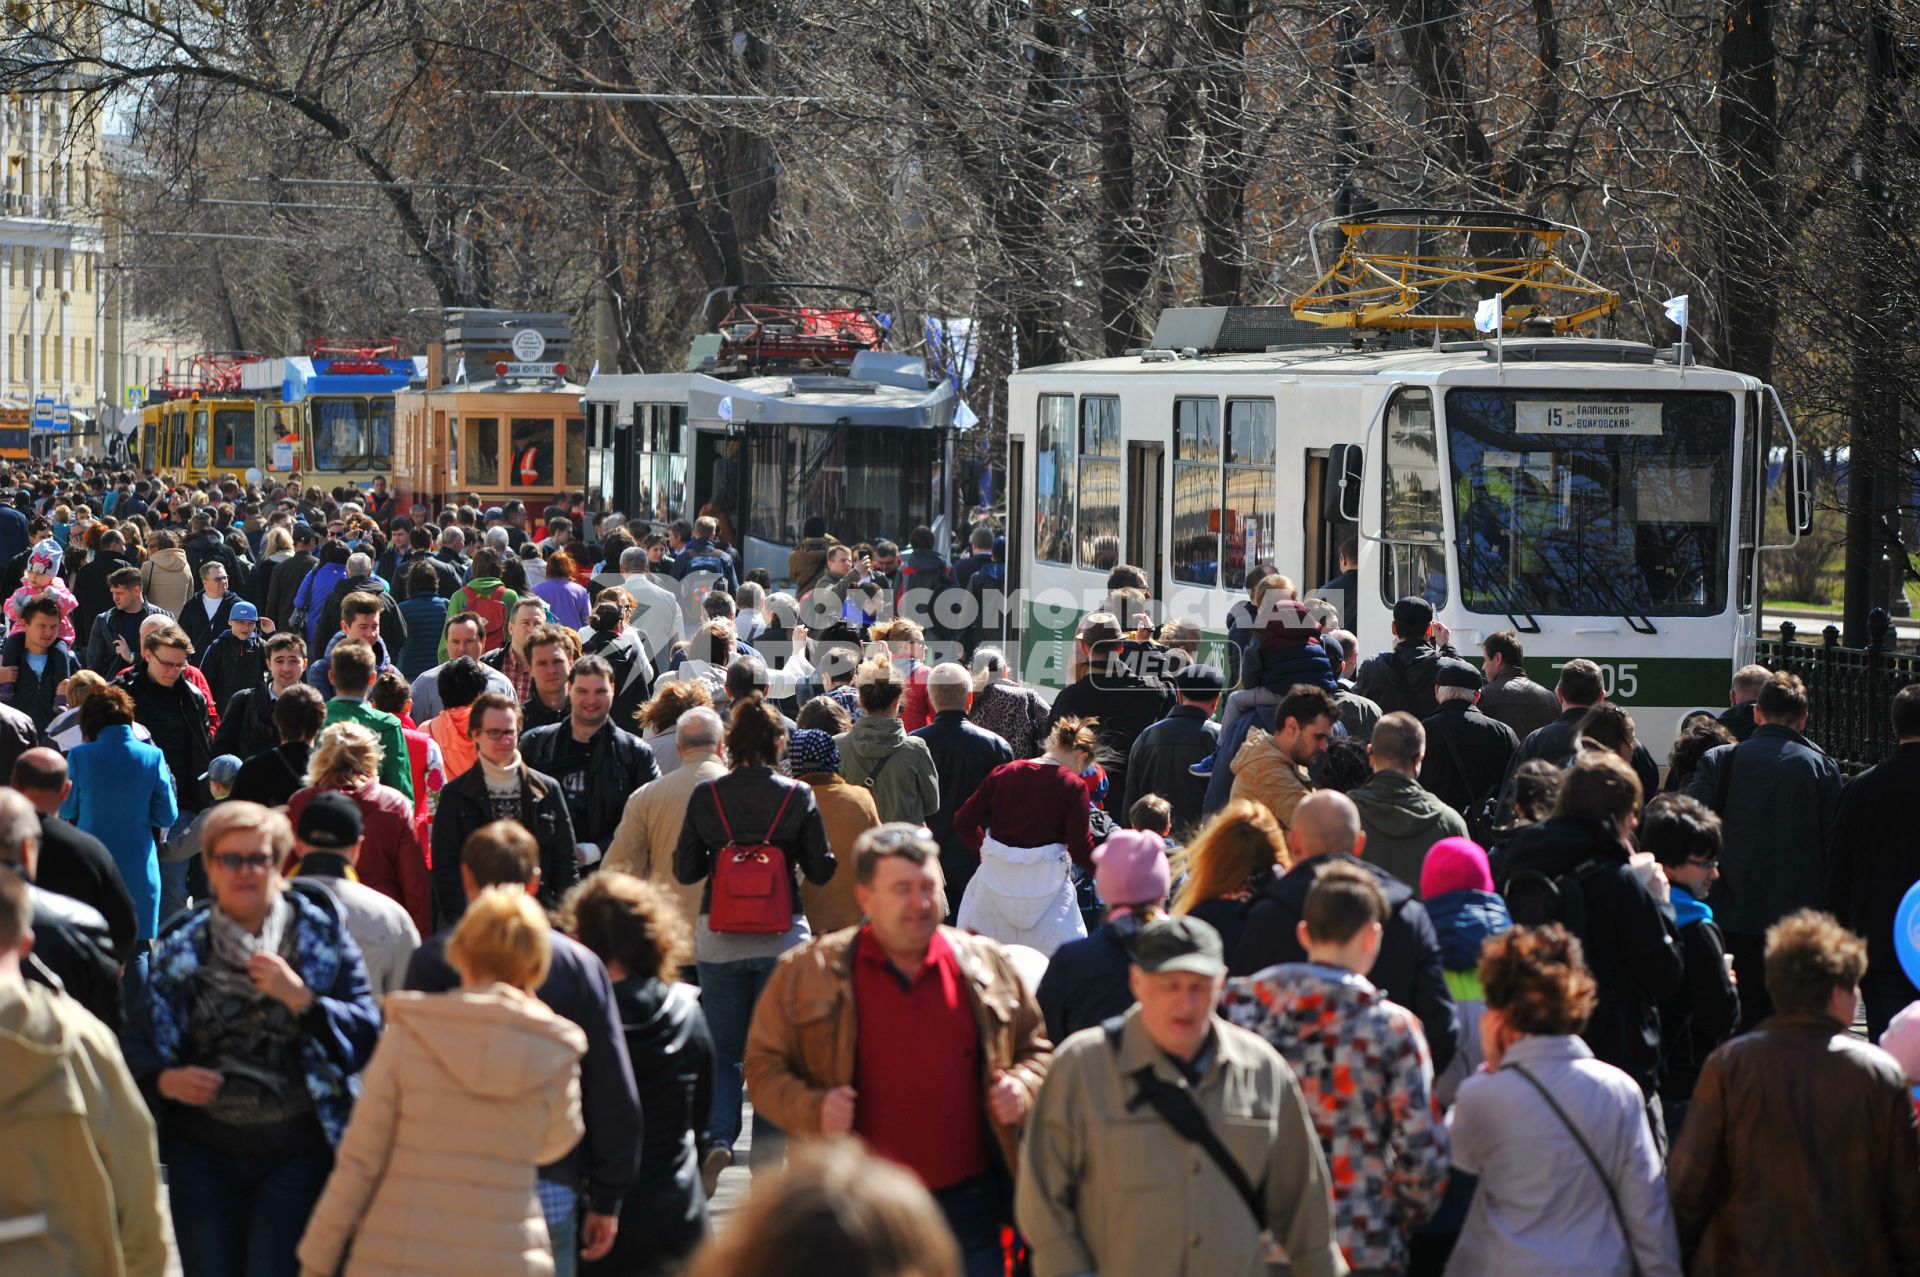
(1146, 477)
(1013, 621)
(1320, 539)
(717, 475)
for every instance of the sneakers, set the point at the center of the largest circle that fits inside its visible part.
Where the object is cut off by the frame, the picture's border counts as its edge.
(715, 1159)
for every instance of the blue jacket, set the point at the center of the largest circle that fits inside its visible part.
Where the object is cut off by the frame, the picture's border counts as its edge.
(313, 594)
(1464, 920)
(123, 791)
(341, 1027)
(426, 617)
(702, 555)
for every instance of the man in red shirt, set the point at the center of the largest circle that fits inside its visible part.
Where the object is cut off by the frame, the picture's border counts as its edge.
(931, 1050)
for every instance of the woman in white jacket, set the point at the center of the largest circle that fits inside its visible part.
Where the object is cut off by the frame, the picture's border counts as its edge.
(468, 1094)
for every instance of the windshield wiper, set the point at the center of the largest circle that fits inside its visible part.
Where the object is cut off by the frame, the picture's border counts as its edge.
(1503, 599)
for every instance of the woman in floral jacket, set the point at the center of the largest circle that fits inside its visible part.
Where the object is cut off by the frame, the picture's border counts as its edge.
(255, 1020)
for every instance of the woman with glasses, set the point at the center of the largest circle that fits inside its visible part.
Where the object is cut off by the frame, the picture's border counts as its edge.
(256, 1020)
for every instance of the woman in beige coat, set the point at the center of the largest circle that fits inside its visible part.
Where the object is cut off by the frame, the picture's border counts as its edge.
(468, 1094)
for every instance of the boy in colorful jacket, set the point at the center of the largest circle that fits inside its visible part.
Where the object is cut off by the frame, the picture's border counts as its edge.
(1363, 1067)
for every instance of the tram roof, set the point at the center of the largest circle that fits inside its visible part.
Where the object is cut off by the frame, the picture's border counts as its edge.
(797, 400)
(1467, 361)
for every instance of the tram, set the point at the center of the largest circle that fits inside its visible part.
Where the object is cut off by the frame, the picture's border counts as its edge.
(792, 408)
(496, 415)
(1602, 498)
(198, 425)
(328, 415)
(16, 433)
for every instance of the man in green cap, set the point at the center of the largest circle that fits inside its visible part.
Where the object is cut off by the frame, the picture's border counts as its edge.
(1168, 1142)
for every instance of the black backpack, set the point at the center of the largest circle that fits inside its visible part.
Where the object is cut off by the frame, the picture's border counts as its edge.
(1535, 899)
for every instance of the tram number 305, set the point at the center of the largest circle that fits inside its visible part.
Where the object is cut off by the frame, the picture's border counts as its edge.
(1619, 681)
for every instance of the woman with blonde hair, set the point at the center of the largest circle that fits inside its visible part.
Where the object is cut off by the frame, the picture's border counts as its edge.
(346, 760)
(1236, 853)
(467, 1096)
(1030, 823)
(276, 548)
(660, 717)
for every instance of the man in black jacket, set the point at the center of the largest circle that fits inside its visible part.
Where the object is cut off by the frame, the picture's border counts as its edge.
(72, 944)
(1876, 857)
(114, 637)
(602, 1165)
(73, 862)
(246, 722)
(1402, 679)
(1123, 688)
(1684, 837)
(169, 706)
(1741, 698)
(1580, 688)
(91, 596)
(361, 580)
(1161, 761)
(597, 764)
(205, 615)
(288, 575)
(204, 545)
(962, 756)
(1326, 830)
(1621, 914)
(500, 786)
(1467, 752)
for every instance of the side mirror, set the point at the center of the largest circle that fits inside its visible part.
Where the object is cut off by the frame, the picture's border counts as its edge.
(1800, 494)
(1340, 499)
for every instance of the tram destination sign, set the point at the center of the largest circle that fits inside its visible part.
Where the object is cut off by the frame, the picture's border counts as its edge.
(1585, 417)
(531, 370)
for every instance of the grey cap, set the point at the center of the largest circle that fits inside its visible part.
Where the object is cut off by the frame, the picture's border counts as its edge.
(1180, 943)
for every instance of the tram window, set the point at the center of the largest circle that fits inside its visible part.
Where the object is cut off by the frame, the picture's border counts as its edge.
(233, 438)
(483, 452)
(766, 480)
(379, 433)
(200, 452)
(1249, 518)
(532, 456)
(1563, 520)
(1053, 479)
(1196, 491)
(818, 482)
(1099, 483)
(1411, 523)
(576, 428)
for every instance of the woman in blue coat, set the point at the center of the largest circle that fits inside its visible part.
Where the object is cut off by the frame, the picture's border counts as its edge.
(122, 791)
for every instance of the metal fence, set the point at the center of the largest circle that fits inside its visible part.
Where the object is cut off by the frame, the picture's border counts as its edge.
(1851, 688)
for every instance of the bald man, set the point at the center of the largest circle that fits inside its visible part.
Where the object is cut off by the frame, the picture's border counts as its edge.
(73, 862)
(1326, 830)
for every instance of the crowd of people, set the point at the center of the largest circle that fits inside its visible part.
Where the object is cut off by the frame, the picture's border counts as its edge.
(439, 891)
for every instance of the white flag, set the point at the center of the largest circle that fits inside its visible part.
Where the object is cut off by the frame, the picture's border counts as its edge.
(460, 373)
(595, 372)
(1486, 316)
(1676, 308)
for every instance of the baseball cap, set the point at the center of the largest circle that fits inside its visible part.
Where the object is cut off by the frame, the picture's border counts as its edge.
(222, 770)
(329, 822)
(1180, 943)
(244, 611)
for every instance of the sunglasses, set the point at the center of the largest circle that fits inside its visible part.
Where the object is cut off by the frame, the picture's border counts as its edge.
(235, 861)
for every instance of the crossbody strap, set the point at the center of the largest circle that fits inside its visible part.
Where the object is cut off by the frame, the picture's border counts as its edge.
(715, 791)
(1606, 1181)
(873, 777)
(778, 814)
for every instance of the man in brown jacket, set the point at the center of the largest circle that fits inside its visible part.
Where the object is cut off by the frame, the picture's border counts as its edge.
(885, 1029)
(1799, 1152)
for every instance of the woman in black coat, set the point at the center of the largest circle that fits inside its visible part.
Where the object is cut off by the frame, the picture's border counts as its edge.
(636, 929)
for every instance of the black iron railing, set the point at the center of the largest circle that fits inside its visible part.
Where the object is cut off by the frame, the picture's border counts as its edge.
(1851, 688)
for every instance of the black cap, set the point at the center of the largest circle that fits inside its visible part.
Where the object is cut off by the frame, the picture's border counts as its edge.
(1199, 680)
(1453, 673)
(1180, 943)
(329, 822)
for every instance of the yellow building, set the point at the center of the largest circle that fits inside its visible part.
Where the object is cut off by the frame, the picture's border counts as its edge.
(53, 275)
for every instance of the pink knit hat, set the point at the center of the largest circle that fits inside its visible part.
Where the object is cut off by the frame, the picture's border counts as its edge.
(1130, 868)
(1454, 864)
(1902, 1040)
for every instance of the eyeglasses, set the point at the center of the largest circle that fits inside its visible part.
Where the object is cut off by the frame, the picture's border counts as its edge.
(234, 861)
(1704, 862)
(498, 733)
(165, 664)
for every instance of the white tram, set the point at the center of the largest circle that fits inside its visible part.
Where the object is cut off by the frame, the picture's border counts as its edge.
(1598, 497)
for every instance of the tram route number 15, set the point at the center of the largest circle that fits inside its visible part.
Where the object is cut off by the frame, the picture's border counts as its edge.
(1619, 681)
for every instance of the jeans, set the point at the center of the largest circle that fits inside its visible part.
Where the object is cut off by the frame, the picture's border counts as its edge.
(728, 992)
(173, 888)
(972, 1209)
(564, 1237)
(242, 1216)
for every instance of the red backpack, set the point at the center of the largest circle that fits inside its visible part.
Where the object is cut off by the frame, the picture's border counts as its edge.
(491, 608)
(752, 891)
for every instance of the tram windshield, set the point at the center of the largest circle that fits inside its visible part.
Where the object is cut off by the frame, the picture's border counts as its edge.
(1591, 503)
(352, 433)
(233, 438)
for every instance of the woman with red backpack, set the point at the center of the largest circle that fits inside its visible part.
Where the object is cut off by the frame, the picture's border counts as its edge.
(749, 835)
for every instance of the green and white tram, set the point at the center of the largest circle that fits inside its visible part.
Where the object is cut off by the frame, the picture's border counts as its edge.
(1598, 497)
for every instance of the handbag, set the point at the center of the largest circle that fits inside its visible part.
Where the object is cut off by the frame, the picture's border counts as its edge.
(1613, 1195)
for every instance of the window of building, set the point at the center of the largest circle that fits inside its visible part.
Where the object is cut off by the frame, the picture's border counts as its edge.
(1196, 491)
(1249, 510)
(1100, 486)
(1053, 479)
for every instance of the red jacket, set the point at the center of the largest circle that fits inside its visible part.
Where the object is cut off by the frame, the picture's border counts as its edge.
(916, 707)
(392, 860)
(1030, 803)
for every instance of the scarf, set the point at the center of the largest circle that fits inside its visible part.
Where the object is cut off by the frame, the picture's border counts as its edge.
(230, 945)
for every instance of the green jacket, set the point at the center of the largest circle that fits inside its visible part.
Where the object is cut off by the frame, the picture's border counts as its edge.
(396, 769)
(906, 788)
(1109, 1187)
(1402, 822)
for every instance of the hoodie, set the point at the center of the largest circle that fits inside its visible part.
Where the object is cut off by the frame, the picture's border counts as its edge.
(449, 730)
(80, 1147)
(665, 1215)
(898, 768)
(1367, 1080)
(1464, 920)
(168, 580)
(1402, 822)
(1403, 678)
(467, 1094)
(1262, 774)
(393, 625)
